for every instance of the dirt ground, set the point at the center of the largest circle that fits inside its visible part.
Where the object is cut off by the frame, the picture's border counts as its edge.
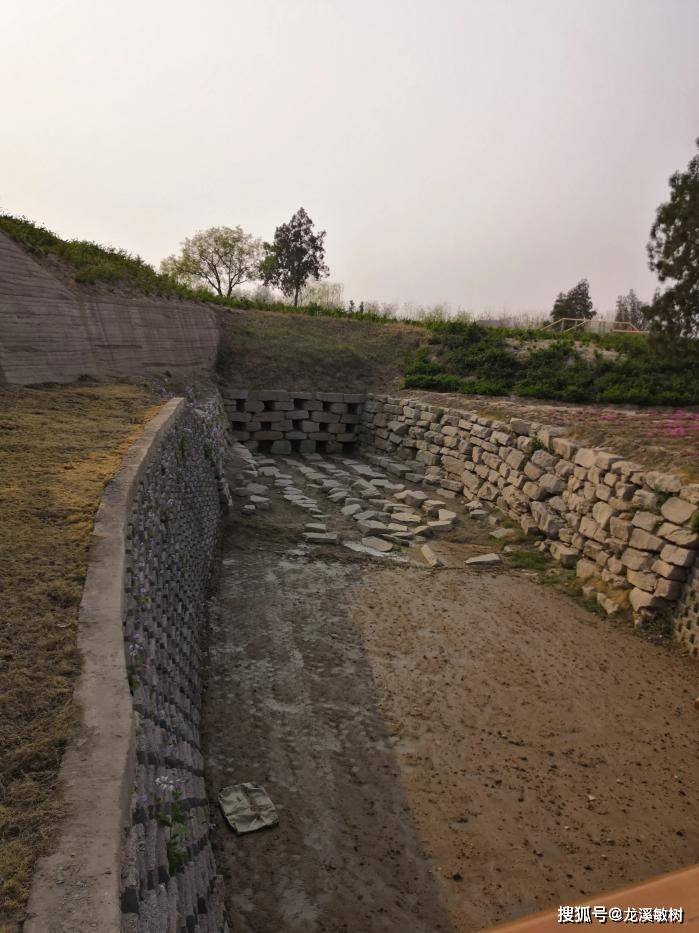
(446, 748)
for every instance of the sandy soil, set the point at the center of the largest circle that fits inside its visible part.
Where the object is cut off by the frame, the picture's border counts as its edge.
(447, 749)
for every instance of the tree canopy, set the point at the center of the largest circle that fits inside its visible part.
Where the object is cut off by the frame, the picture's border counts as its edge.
(575, 303)
(630, 310)
(296, 255)
(673, 254)
(219, 258)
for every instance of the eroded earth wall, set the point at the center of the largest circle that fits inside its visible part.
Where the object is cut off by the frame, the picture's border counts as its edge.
(50, 332)
(631, 534)
(169, 875)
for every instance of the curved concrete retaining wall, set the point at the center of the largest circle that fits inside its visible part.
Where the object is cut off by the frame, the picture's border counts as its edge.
(628, 532)
(52, 333)
(136, 765)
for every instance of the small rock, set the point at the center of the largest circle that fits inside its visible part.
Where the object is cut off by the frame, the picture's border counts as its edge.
(432, 506)
(439, 526)
(483, 560)
(314, 537)
(407, 518)
(315, 526)
(503, 534)
(253, 489)
(429, 556)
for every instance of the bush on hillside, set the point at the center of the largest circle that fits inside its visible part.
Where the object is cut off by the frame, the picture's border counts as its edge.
(472, 359)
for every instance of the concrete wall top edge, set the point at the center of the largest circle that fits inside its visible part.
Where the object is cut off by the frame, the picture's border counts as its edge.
(76, 888)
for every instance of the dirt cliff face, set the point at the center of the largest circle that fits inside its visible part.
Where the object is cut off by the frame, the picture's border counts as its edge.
(51, 331)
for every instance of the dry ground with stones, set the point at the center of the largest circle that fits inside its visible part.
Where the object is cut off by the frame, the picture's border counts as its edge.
(661, 438)
(449, 744)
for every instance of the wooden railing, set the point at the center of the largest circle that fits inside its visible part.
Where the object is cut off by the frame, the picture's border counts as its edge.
(564, 324)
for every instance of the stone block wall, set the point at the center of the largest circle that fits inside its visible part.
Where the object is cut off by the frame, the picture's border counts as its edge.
(628, 532)
(284, 422)
(168, 875)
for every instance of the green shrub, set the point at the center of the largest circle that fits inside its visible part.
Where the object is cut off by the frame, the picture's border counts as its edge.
(473, 359)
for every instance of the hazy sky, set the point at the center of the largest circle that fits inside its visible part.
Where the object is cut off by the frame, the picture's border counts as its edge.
(488, 153)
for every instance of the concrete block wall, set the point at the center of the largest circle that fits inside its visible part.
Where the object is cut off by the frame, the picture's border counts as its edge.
(628, 532)
(169, 883)
(283, 421)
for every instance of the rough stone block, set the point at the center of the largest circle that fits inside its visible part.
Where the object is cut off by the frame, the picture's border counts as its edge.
(677, 510)
(620, 528)
(544, 460)
(602, 514)
(682, 537)
(645, 499)
(551, 484)
(636, 560)
(640, 599)
(518, 426)
(605, 460)
(567, 556)
(668, 589)
(586, 457)
(645, 520)
(642, 579)
(680, 557)
(643, 541)
(564, 448)
(670, 571)
(662, 482)
(585, 569)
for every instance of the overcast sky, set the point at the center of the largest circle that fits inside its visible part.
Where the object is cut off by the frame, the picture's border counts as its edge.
(487, 153)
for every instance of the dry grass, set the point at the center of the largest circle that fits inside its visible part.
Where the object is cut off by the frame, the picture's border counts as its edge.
(58, 448)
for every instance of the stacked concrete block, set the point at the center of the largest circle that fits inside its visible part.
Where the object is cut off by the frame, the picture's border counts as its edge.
(283, 422)
(629, 532)
(170, 884)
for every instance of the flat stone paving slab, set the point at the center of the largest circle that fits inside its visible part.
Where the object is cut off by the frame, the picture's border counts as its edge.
(378, 544)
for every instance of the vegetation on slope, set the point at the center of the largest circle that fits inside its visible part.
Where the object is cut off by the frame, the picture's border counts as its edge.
(58, 448)
(266, 349)
(440, 354)
(472, 359)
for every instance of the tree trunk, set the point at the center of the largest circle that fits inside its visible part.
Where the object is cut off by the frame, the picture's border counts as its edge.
(296, 297)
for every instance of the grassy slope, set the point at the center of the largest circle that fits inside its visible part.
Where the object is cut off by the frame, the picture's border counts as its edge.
(269, 349)
(612, 368)
(58, 448)
(455, 356)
